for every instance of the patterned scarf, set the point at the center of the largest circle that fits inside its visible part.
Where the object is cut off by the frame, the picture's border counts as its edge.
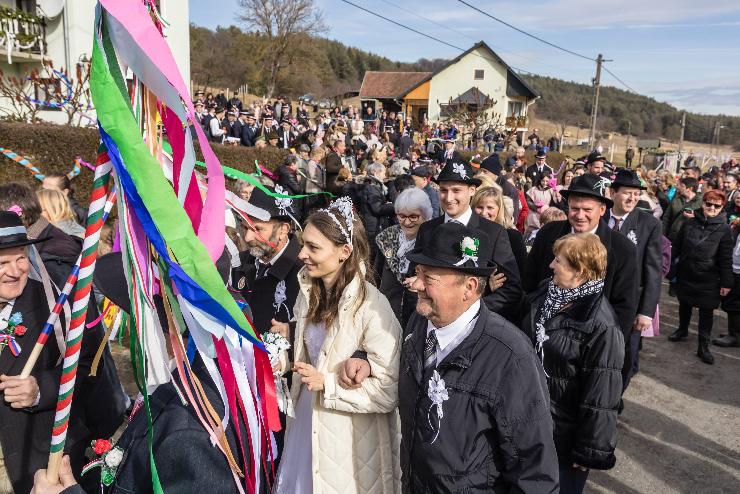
(556, 299)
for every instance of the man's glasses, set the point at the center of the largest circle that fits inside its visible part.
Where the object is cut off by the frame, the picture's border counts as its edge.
(713, 205)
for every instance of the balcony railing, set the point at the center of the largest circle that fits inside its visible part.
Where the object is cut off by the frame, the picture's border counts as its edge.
(515, 122)
(21, 32)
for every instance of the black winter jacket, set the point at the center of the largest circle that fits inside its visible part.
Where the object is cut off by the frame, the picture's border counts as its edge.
(495, 434)
(375, 208)
(703, 254)
(583, 360)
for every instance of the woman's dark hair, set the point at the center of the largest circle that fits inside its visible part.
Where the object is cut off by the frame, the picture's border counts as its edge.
(22, 196)
(403, 182)
(64, 182)
(323, 305)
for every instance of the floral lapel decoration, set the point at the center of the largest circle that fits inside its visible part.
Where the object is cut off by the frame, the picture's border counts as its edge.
(437, 392)
(459, 168)
(276, 344)
(9, 331)
(632, 236)
(469, 250)
(109, 458)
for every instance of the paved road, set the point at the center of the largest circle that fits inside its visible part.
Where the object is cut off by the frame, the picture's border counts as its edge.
(680, 429)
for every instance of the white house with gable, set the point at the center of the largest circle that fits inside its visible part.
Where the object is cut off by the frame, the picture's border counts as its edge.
(475, 75)
(61, 31)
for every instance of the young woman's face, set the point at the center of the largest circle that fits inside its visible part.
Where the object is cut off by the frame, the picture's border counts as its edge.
(544, 182)
(320, 255)
(488, 208)
(568, 177)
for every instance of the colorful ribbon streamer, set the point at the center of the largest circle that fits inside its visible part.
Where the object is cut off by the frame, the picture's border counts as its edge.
(23, 162)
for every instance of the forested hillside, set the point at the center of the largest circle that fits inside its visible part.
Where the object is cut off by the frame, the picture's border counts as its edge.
(230, 57)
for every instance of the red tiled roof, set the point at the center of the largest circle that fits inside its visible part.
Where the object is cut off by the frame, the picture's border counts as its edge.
(390, 84)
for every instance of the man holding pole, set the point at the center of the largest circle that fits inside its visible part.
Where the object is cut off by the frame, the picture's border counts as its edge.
(28, 404)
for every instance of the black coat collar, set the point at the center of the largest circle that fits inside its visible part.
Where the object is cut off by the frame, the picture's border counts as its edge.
(602, 231)
(287, 260)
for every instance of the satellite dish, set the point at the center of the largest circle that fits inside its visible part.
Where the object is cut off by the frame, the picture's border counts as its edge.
(51, 8)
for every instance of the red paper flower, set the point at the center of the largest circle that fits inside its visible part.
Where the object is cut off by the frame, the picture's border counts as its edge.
(102, 446)
(19, 330)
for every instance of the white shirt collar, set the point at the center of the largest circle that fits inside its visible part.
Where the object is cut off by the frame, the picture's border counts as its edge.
(464, 218)
(450, 336)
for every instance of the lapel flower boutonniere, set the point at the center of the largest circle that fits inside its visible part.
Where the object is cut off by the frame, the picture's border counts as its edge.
(632, 236)
(437, 392)
(9, 331)
(109, 458)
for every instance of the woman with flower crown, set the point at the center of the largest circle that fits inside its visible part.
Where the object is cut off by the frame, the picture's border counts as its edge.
(341, 440)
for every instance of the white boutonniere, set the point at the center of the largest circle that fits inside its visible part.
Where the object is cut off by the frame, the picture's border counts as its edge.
(280, 295)
(469, 250)
(632, 236)
(459, 168)
(437, 392)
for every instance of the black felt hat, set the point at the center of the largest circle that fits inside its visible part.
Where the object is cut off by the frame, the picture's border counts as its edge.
(541, 154)
(595, 156)
(627, 178)
(279, 208)
(589, 185)
(13, 233)
(492, 164)
(420, 171)
(458, 171)
(455, 246)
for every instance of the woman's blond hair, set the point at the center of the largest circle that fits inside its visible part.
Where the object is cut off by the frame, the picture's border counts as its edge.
(55, 204)
(585, 253)
(497, 195)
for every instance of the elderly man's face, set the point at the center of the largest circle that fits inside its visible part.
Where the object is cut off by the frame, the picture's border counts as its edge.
(584, 213)
(443, 294)
(14, 268)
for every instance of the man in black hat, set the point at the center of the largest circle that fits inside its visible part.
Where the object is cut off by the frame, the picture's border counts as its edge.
(473, 398)
(587, 203)
(539, 168)
(595, 163)
(456, 188)
(217, 130)
(286, 134)
(268, 276)
(232, 125)
(449, 152)
(235, 104)
(28, 405)
(645, 231)
(422, 180)
(491, 168)
(250, 131)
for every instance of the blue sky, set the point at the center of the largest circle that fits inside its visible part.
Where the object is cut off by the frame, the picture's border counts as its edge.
(684, 52)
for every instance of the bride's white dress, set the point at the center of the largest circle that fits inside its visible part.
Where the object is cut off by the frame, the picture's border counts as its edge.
(294, 474)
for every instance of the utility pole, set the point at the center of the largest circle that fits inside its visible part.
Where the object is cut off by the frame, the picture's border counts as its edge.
(680, 142)
(595, 109)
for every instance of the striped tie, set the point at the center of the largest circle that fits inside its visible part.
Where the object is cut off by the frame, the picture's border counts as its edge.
(430, 350)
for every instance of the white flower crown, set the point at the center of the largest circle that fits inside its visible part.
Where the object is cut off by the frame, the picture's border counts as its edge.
(344, 206)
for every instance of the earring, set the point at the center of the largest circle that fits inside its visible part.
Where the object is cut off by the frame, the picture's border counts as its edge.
(341, 260)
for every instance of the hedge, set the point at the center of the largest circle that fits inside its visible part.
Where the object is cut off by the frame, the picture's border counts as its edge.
(53, 148)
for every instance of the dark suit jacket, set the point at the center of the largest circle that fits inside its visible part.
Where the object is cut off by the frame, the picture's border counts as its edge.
(260, 293)
(332, 165)
(187, 462)
(26, 434)
(232, 129)
(505, 301)
(645, 231)
(441, 156)
(282, 139)
(620, 285)
(533, 174)
(249, 134)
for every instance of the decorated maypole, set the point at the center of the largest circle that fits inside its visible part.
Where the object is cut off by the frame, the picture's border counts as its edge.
(83, 288)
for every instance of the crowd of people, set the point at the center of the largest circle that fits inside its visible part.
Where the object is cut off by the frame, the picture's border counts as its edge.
(454, 324)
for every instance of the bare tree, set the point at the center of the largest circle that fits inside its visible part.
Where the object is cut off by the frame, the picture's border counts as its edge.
(281, 21)
(19, 93)
(474, 113)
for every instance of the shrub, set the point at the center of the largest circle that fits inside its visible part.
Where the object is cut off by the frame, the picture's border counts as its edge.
(53, 148)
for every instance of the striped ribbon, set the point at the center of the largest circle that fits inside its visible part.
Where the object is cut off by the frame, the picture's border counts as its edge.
(23, 162)
(83, 289)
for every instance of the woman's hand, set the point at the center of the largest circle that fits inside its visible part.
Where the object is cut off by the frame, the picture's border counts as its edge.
(309, 376)
(496, 281)
(281, 328)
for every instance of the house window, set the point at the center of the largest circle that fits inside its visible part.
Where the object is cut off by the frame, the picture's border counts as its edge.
(516, 108)
(478, 75)
(50, 91)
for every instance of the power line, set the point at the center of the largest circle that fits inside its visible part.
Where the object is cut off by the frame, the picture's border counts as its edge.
(526, 33)
(620, 80)
(460, 33)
